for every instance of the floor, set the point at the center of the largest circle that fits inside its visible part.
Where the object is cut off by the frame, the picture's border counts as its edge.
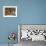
(7, 45)
(30, 43)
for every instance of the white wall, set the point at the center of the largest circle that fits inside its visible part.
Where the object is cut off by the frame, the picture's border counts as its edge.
(41, 27)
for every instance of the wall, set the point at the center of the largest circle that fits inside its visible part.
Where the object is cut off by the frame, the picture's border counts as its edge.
(29, 12)
(33, 27)
(7, 25)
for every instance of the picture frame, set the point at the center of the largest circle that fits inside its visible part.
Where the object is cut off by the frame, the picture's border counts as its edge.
(9, 11)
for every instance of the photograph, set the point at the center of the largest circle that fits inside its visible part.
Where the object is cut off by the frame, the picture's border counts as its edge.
(9, 11)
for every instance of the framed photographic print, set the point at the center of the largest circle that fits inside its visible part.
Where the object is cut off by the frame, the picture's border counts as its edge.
(9, 11)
